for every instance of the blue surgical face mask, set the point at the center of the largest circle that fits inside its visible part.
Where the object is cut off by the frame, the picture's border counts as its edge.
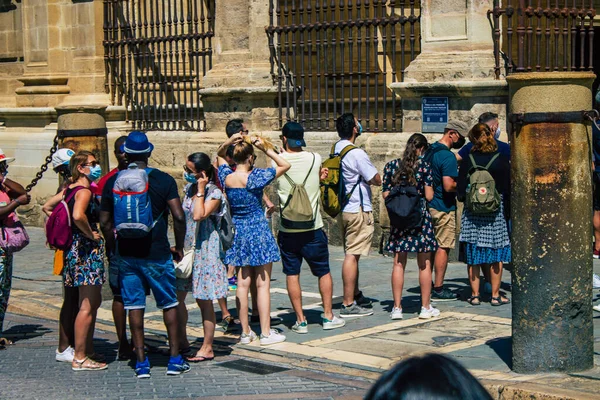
(360, 129)
(189, 177)
(95, 173)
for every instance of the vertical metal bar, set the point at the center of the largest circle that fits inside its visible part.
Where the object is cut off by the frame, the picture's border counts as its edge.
(359, 48)
(136, 61)
(302, 32)
(412, 39)
(496, 16)
(538, 36)
(184, 54)
(591, 13)
(521, 37)
(547, 14)
(529, 38)
(177, 82)
(106, 8)
(368, 66)
(327, 52)
(403, 37)
(210, 20)
(130, 64)
(582, 31)
(350, 17)
(286, 14)
(152, 67)
(376, 101)
(319, 43)
(342, 58)
(158, 65)
(509, 35)
(384, 43)
(197, 61)
(292, 70)
(393, 28)
(310, 61)
(333, 54)
(171, 103)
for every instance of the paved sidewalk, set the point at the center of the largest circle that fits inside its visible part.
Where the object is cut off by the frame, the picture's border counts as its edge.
(479, 337)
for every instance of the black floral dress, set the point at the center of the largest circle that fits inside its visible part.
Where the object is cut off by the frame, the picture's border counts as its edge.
(411, 240)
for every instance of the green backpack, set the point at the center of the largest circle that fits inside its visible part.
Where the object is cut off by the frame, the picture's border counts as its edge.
(482, 196)
(297, 212)
(332, 188)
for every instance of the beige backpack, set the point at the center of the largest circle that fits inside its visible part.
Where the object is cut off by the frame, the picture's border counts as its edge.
(297, 212)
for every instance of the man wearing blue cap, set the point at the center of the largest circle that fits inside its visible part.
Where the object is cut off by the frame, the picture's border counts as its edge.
(301, 235)
(147, 261)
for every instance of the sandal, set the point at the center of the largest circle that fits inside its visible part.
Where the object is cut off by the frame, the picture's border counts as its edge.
(5, 342)
(474, 300)
(499, 301)
(87, 364)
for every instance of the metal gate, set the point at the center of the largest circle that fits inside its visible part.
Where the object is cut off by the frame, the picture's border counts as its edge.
(536, 35)
(156, 53)
(331, 57)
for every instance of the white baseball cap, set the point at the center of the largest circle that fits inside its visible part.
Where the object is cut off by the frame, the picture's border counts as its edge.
(4, 158)
(62, 157)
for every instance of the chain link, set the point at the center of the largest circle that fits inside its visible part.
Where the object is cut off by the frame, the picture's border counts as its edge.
(44, 166)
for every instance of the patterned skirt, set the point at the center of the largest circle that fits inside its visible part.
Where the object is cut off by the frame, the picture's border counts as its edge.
(413, 240)
(84, 262)
(484, 255)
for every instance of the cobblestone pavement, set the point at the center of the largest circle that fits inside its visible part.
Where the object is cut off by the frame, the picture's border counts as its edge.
(319, 362)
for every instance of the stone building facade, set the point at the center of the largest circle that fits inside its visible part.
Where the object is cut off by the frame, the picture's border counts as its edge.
(52, 56)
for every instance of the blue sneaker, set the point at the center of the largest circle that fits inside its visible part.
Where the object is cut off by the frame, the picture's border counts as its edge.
(142, 369)
(177, 366)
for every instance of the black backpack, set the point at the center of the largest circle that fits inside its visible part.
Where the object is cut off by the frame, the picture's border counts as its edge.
(405, 206)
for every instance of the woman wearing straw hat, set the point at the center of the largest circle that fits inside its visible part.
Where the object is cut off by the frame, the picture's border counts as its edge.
(12, 195)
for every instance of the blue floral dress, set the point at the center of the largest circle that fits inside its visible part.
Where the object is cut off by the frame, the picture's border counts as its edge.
(411, 240)
(209, 274)
(253, 243)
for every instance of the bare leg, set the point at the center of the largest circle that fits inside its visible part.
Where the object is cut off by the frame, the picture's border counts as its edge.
(182, 319)
(244, 278)
(440, 265)
(120, 318)
(209, 320)
(596, 221)
(170, 319)
(398, 277)
(350, 277)
(263, 290)
(223, 306)
(425, 271)
(295, 293)
(136, 325)
(473, 271)
(66, 323)
(496, 275)
(90, 298)
(326, 290)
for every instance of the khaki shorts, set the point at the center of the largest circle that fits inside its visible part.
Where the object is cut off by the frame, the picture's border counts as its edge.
(357, 230)
(444, 227)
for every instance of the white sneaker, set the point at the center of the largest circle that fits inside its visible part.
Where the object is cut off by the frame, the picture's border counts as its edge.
(597, 308)
(274, 337)
(247, 338)
(487, 288)
(332, 323)
(66, 356)
(396, 313)
(430, 312)
(596, 282)
(300, 327)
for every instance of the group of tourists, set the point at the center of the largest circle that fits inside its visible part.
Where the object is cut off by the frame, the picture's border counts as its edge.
(223, 238)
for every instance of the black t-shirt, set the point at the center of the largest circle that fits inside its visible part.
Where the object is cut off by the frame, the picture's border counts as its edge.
(162, 188)
(91, 211)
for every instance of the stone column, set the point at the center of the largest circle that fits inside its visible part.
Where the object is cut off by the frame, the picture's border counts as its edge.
(552, 229)
(456, 61)
(240, 85)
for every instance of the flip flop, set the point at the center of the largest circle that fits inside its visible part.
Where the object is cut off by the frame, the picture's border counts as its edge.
(198, 359)
(5, 342)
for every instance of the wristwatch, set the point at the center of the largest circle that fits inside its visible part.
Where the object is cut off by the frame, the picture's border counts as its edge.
(199, 195)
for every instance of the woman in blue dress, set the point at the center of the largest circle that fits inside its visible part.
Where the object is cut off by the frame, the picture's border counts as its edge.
(254, 248)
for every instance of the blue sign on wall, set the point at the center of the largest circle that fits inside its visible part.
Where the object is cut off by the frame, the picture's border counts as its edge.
(435, 114)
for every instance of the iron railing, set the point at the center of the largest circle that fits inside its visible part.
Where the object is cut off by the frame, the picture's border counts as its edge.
(156, 53)
(331, 57)
(543, 35)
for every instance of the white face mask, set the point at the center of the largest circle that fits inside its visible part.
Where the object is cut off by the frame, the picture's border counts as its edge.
(497, 133)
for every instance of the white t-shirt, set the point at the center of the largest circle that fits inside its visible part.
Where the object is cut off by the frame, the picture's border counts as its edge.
(356, 164)
(301, 162)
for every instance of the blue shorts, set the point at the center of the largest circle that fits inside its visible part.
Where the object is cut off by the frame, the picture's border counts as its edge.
(137, 275)
(311, 246)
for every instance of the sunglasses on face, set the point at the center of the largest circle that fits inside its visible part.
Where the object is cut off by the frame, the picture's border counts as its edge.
(244, 132)
(186, 169)
(90, 164)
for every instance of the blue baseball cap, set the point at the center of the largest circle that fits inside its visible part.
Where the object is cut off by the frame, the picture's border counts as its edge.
(294, 133)
(137, 143)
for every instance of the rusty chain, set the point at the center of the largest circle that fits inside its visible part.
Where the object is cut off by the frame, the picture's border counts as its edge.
(44, 166)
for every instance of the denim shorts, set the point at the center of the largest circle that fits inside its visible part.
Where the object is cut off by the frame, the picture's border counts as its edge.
(311, 246)
(137, 275)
